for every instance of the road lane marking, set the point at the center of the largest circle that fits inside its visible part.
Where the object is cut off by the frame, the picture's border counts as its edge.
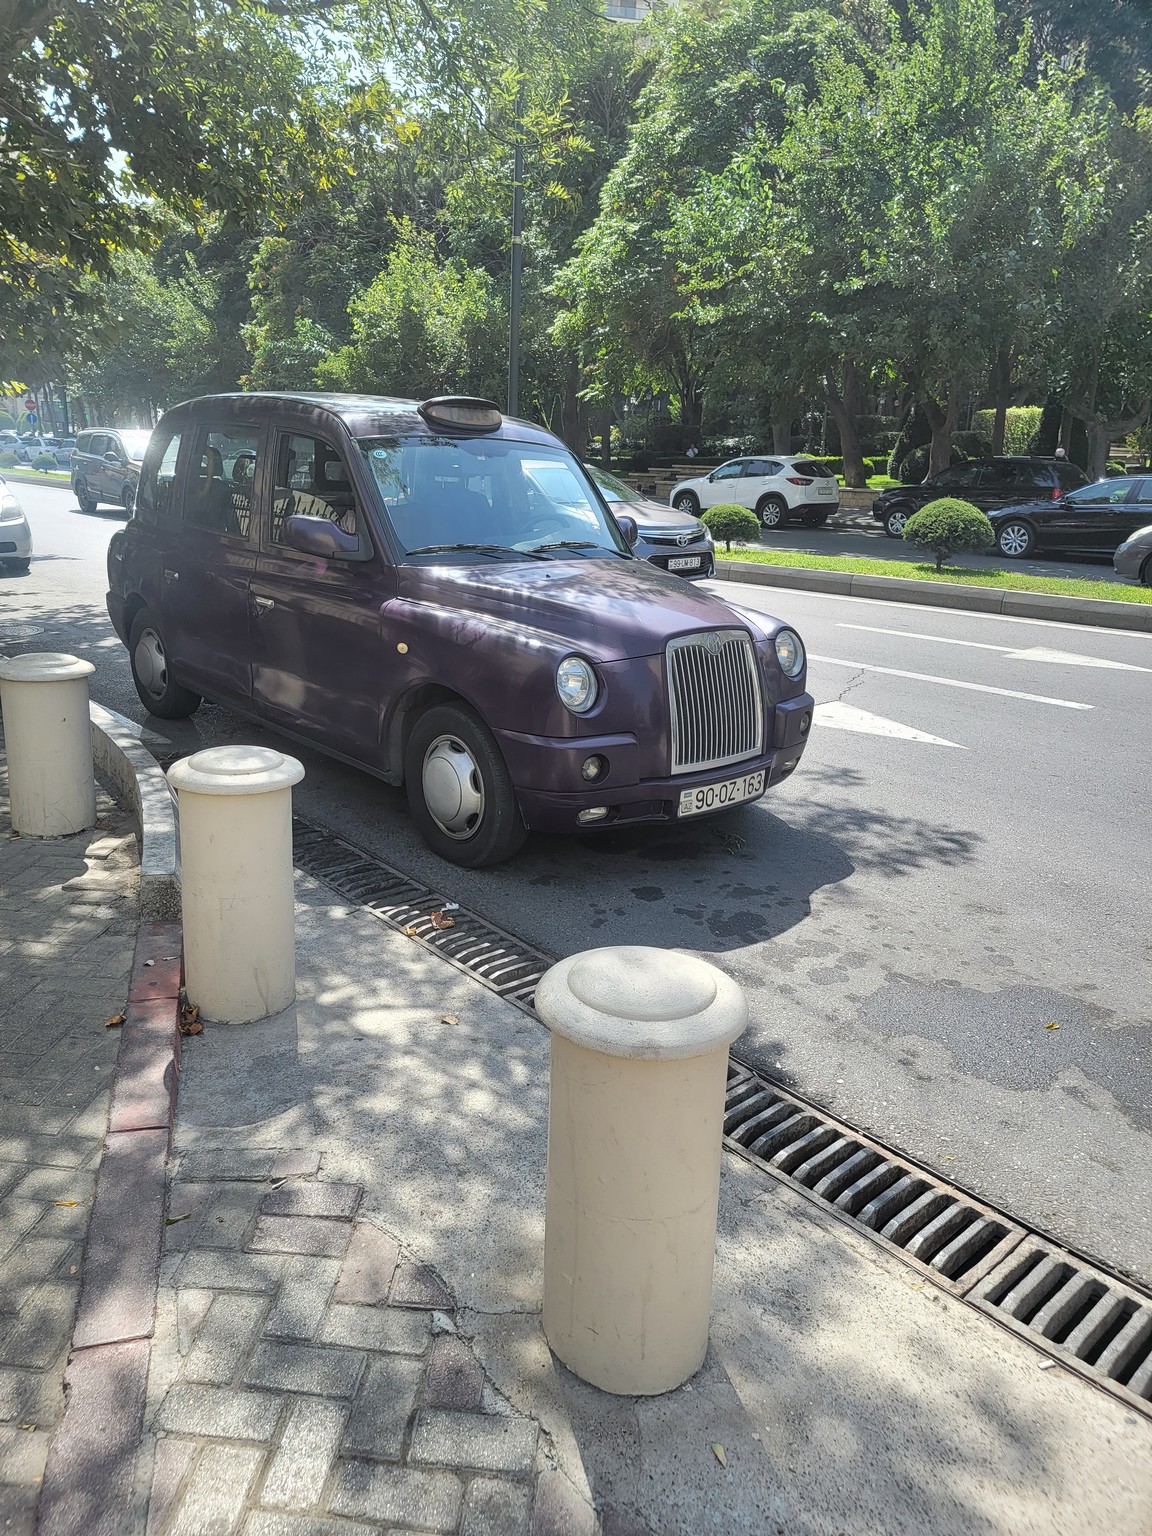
(947, 682)
(1033, 653)
(846, 717)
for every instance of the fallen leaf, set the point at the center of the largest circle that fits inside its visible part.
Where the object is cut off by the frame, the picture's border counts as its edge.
(28, 1427)
(718, 1452)
(440, 921)
(411, 932)
(73, 1269)
(449, 1018)
(190, 1020)
(115, 1021)
(1052, 1025)
(170, 1221)
(65, 1202)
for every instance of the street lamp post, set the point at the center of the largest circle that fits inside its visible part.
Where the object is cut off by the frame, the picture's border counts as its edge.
(517, 266)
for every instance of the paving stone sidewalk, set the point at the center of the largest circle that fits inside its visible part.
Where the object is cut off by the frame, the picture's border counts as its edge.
(307, 1376)
(68, 921)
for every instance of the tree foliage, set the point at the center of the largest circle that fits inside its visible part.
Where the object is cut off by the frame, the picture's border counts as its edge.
(949, 526)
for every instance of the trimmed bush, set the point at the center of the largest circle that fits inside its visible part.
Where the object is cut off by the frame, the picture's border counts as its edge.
(1021, 424)
(949, 527)
(973, 445)
(1112, 468)
(43, 462)
(8, 460)
(914, 433)
(728, 522)
(834, 464)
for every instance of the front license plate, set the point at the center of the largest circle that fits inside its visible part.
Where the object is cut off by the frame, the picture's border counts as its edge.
(713, 797)
(684, 563)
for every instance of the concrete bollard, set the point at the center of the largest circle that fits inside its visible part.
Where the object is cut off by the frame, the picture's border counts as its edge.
(236, 880)
(635, 1117)
(48, 740)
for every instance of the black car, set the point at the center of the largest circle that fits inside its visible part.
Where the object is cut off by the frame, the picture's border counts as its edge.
(1095, 519)
(990, 484)
(106, 467)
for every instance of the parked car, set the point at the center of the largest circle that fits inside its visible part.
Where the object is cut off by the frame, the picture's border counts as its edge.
(673, 541)
(15, 534)
(989, 484)
(397, 584)
(787, 488)
(63, 449)
(1133, 559)
(106, 467)
(1094, 519)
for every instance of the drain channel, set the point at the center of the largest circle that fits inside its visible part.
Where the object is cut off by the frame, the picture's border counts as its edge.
(1088, 1320)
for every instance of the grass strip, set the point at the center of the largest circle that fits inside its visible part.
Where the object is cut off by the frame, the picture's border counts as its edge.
(1010, 581)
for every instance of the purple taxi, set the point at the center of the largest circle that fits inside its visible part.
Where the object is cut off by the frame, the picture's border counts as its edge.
(441, 596)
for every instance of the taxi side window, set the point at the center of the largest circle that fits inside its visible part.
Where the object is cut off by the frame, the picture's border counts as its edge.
(310, 479)
(155, 495)
(222, 474)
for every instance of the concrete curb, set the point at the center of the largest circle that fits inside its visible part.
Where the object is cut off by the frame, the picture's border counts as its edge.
(120, 755)
(89, 1476)
(941, 594)
(30, 477)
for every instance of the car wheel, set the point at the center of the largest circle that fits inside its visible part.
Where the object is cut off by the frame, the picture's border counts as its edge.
(1016, 540)
(19, 567)
(128, 497)
(459, 789)
(771, 510)
(159, 692)
(895, 521)
(88, 502)
(816, 522)
(1146, 573)
(687, 502)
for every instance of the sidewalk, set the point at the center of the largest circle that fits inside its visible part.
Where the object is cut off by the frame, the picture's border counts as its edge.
(348, 1335)
(67, 929)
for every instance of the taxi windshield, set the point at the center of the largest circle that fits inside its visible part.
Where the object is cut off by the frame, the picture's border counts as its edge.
(489, 498)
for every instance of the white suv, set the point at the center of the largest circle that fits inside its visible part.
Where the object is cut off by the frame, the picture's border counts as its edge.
(782, 489)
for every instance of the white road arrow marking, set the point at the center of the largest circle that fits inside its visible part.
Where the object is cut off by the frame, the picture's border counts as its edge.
(1034, 653)
(947, 682)
(846, 717)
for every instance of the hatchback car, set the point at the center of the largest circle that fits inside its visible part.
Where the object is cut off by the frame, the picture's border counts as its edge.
(1095, 519)
(673, 541)
(990, 484)
(106, 467)
(1133, 559)
(15, 534)
(399, 584)
(781, 489)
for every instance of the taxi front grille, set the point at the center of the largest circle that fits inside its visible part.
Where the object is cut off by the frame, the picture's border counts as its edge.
(714, 699)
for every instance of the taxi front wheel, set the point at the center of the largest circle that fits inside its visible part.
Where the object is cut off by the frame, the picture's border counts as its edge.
(459, 790)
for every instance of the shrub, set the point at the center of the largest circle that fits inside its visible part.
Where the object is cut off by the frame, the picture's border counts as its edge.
(728, 522)
(949, 526)
(43, 462)
(1021, 424)
(8, 460)
(834, 464)
(973, 445)
(1112, 468)
(913, 466)
(914, 433)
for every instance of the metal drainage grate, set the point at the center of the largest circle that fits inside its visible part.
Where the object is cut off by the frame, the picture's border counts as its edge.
(505, 964)
(1085, 1318)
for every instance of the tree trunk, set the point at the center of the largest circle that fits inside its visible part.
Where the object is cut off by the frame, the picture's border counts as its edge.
(845, 409)
(1065, 439)
(574, 411)
(942, 419)
(604, 431)
(1003, 390)
(1099, 442)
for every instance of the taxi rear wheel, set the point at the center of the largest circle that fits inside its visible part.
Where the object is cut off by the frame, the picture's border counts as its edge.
(460, 793)
(159, 691)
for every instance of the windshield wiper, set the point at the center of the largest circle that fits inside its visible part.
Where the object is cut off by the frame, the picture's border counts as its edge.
(477, 549)
(580, 544)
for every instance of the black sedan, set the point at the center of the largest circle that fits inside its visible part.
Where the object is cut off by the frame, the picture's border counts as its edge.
(1134, 557)
(990, 484)
(1093, 520)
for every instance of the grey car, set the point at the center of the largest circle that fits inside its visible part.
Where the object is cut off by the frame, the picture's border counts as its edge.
(1133, 559)
(674, 541)
(106, 467)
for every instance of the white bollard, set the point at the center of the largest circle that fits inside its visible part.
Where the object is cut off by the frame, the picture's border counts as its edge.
(236, 880)
(48, 740)
(635, 1117)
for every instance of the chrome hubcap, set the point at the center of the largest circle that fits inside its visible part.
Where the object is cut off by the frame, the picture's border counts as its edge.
(685, 504)
(770, 516)
(896, 522)
(453, 788)
(1014, 539)
(151, 666)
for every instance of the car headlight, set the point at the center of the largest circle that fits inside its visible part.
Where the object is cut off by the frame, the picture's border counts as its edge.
(704, 532)
(790, 652)
(10, 511)
(576, 684)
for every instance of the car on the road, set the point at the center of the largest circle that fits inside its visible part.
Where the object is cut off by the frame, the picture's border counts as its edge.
(15, 534)
(779, 488)
(673, 541)
(1094, 519)
(106, 467)
(1133, 559)
(990, 484)
(398, 584)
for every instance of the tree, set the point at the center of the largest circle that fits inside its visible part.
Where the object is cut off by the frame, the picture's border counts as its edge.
(949, 526)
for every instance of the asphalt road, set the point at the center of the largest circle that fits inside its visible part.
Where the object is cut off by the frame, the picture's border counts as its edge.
(961, 861)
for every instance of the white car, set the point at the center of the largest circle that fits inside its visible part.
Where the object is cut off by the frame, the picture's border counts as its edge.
(15, 534)
(782, 489)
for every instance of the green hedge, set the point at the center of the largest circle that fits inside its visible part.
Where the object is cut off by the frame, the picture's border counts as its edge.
(1021, 424)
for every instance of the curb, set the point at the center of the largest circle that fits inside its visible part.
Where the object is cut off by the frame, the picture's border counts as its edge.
(119, 754)
(30, 477)
(942, 594)
(89, 1475)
